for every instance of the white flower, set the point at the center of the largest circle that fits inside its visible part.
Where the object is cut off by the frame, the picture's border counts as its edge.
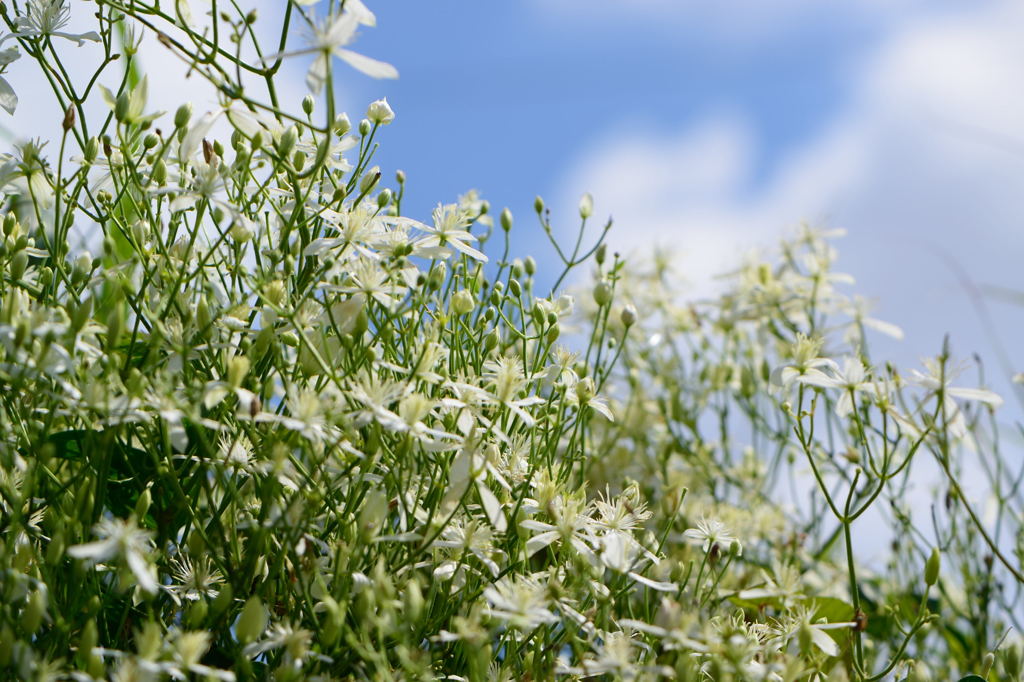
(586, 396)
(521, 601)
(124, 540)
(572, 525)
(448, 230)
(852, 378)
(710, 533)
(46, 18)
(330, 37)
(806, 365)
(195, 579)
(936, 381)
(380, 112)
(294, 640)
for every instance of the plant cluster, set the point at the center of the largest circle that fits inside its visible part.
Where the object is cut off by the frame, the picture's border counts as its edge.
(276, 429)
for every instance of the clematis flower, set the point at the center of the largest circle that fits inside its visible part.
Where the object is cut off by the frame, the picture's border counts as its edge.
(807, 366)
(850, 379)
(124, 540)
(42, 18)
(711, 532)
(936, 380)
(329, 39)
(46, 18)
(448, 230)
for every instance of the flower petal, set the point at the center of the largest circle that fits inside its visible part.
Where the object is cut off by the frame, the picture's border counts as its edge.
(8, 100)
(371, 67)
(979, 394)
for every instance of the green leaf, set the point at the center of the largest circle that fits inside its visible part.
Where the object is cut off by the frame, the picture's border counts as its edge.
(831, 609)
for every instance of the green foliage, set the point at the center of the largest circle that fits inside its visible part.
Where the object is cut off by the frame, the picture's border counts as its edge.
(280, 430)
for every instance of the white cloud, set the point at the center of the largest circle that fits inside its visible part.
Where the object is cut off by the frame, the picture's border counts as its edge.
(905, 166)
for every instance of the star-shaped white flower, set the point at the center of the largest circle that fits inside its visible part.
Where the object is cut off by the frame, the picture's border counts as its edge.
(124, 540)
(329, 38)
(936, 380)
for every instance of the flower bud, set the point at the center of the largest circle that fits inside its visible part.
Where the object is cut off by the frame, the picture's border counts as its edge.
(196, 613)
(143, 503)
(18, 264)
(437, 276)
(515, 288)
(252, 621)
(223, 600)
(538, 314)
(380, 112)
(369, 180)
(121, 106)
(183, 115)
(506, 219)
(384, 199)
(150, 141)
(462, 302)
(628, 316)
(986, 664)
(159, 174)
(307, 104)
(530, 265)
(69, 118)
(92, 149)
(400, 177)
(538, 205)
(341, 124)
(10, 224)
(602, 293)
(364, 127)
(83, 263)
(88, 640)
(491, 340)
(35, 609)
(601, 253)
(931, 568)
(238, 368)
(586, 206)
(287, 143)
